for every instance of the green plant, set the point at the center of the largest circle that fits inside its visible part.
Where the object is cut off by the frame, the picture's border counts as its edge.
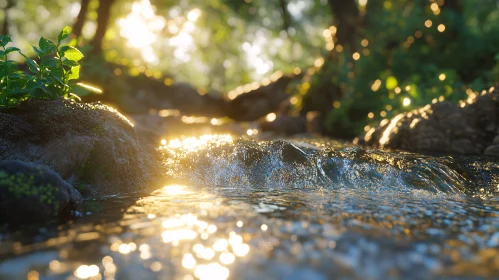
(51, 77)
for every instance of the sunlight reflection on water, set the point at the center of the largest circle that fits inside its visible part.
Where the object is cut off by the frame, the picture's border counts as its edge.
(182, 232)
(192, 144)
(205, 252)
(254, 230)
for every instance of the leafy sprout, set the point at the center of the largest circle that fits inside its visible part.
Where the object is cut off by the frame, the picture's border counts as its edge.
(51, 77)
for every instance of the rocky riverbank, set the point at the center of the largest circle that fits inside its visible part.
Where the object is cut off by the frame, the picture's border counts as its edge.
(470, 127)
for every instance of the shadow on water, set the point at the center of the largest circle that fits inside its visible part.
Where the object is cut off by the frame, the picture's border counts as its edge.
(93, 211)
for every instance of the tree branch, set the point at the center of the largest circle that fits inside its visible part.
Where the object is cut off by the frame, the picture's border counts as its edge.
(80, 19)
(285, 14)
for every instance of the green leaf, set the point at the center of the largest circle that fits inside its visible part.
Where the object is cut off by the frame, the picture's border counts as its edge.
(18, 74)
(55, 77)
(74, 73)
(16, 92)
(58, 68)
(71, 53)
(11, 49)
(38, 51)
(70, 63)
(5, 39)
(36, 88)
(7, 67)
(32, 65)
(51, 62)
(46, 45)
(64, 34)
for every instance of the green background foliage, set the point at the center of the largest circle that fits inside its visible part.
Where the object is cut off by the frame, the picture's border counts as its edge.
(389, 54)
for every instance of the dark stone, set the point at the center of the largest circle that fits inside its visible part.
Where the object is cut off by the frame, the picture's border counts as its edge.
(492, 150)
(91, 146)
(34, 193)
(467, 128)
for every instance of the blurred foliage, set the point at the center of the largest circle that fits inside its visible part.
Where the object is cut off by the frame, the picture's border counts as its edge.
(412, 54)
(406, 54)
(217, 44)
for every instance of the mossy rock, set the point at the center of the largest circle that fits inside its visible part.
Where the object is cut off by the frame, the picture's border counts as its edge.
(34, 193)
(91, 146)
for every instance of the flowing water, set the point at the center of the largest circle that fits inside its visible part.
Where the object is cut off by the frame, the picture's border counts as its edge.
(289, 209)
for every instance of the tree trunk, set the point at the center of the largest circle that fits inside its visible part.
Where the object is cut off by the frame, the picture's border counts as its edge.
(103, 15)
(347, 17)
(5, 26)
(325, 90)
(80, 19)
(286, 19)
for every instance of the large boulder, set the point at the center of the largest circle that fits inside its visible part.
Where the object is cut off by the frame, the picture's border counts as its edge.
(34, 193)
(465, 128)
(91, 146)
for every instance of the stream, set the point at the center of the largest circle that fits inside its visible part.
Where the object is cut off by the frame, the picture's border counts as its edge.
(298, 208)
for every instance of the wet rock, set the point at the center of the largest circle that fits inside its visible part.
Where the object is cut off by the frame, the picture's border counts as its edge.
(492, 150)
(493, 240)
(91, 146)
(34, 193)
(464, 128)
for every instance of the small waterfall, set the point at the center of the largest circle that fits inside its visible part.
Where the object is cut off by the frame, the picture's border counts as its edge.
(242, 163)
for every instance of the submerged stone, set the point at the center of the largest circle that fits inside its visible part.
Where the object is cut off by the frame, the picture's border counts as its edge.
(92, 146)
(34, 193)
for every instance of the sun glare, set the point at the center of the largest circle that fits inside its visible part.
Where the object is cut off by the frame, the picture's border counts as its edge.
(192, 144)
(194, 14)
(255, 57)
(174, 190)
(140, 28)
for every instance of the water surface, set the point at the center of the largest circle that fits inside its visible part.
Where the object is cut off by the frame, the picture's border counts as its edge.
(294, 209)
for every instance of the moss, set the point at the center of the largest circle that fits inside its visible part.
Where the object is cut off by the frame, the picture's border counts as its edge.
(23, 185)
(80, 187)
